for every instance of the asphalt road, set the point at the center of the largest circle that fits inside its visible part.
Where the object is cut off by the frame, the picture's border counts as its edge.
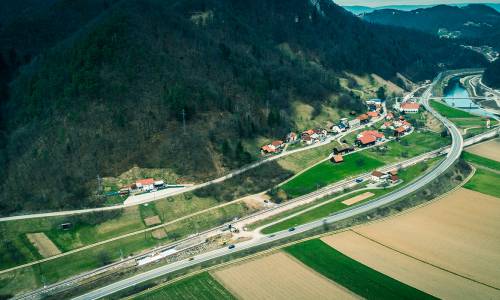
(452, 156)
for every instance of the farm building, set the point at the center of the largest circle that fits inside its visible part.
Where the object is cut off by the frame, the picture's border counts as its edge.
(409, 107)
(343, 149)
(337, 159)
(144, 184)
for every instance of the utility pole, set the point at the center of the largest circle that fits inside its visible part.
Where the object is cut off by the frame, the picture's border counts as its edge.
(184, 120)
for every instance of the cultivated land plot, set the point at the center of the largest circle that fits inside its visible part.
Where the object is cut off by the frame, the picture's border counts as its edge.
(43, 244)
(425, 277)
(278, 276)
(458, 233)
(201, 286)
(150, 221)
(358, 198)
(489, 149)
(351, 274)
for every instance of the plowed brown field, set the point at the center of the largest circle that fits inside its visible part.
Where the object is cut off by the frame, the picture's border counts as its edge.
(489, 149)
(278, 276)
(450, 248)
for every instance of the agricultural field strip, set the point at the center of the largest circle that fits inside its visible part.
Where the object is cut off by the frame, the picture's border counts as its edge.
(198, 213)
(194, 187)
(424, 261)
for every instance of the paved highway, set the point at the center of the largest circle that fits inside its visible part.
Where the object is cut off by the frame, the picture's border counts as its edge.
(452, 156)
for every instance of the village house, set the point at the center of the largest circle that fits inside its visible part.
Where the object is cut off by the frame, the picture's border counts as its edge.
(378, 176)
(389, 116)
(372, 114)
(343, 149)
(363, 119)
(274, 147)
(409, 107)
(337, 159)
(291, 137)
(400, 131)
(369, 137)
(387, 125)
(144, 184)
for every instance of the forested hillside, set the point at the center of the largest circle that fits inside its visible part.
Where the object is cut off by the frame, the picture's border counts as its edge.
(491, 75)
(113, 93)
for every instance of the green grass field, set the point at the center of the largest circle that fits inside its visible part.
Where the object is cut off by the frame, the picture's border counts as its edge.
(351, 274)
(450, 112)
(484, 181)
(412, 145)
(327, 173)
(299, 161)
(201, 286)
(481, 161)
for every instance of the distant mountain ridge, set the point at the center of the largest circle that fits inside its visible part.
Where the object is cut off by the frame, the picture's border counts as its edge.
(358, 9)
(473, 24)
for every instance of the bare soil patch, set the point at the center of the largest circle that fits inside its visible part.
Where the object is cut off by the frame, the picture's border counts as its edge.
(425, 277)
(159, 234)
(489, 149)
(278, 276)
(43, 244)
(154, 220)
(256, 201)
(358, 198)
(458, 233)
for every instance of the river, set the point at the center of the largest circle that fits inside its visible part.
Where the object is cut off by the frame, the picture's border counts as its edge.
(458, 96)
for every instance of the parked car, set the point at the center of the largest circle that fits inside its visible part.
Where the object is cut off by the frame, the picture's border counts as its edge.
(231, 246)
(358, 180)
(291, 229)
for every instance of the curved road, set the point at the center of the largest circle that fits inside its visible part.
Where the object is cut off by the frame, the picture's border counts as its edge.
(452, 156)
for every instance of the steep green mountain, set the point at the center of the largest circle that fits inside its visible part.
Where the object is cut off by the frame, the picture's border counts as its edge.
(117, 92)
(472, 21)
(491, 76)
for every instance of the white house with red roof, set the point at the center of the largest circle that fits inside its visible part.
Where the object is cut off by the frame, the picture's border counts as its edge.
(409, 107)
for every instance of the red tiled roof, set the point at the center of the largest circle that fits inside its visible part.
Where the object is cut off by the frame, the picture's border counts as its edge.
(338, 158)
(146, 181)
(400, 129)
(362, 117)
(394, 178)
(268, 149)
(309, 132)
(372, 114)
(375, 133)
(387, 124)
(366, 139)
(377, 174)
(409, 105)
(277, 143)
